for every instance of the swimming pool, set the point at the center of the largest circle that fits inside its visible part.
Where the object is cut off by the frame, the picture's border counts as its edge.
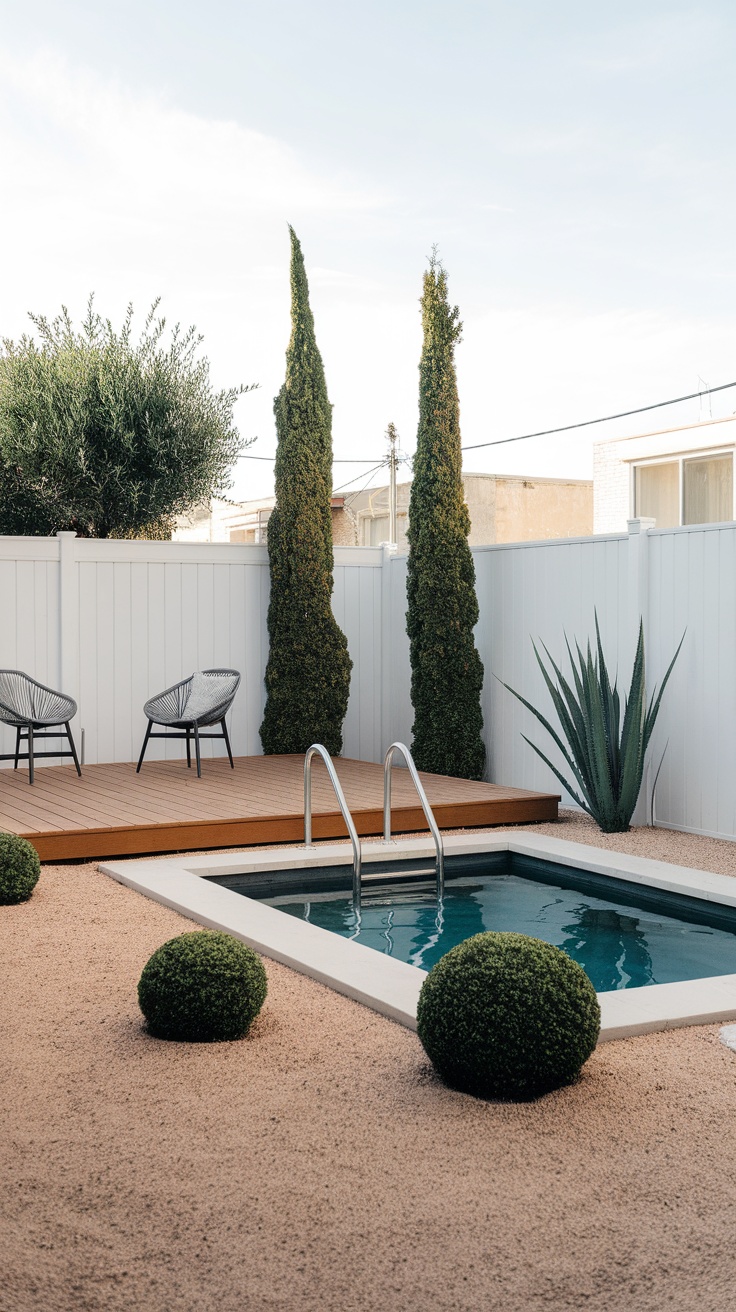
(201, 887)
(622, 937)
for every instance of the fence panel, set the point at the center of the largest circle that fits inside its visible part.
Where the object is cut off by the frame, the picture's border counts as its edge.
(113, 622)
(150, 613)
(693, 591)
(29, 613)
(356, 604)
(399, 715)
(541, 592)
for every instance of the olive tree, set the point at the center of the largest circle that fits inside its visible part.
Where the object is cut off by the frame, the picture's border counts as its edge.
(109, 436)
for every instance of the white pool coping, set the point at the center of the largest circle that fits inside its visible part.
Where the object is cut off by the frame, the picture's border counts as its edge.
(392, 987)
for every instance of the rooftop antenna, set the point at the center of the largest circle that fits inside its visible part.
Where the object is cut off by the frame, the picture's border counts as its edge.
(704, 401)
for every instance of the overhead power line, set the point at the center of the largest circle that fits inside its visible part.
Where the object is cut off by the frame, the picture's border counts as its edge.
(543, 432)
(338, 461)
(381, 465)
(624, 414)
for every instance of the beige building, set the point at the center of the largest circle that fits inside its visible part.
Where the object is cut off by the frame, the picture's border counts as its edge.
(674, 476)
(246, 521)
(503, 508)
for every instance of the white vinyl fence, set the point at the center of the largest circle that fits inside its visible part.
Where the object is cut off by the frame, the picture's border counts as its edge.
(113, 622)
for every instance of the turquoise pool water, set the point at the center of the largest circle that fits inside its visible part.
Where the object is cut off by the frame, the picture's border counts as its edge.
(620, 944)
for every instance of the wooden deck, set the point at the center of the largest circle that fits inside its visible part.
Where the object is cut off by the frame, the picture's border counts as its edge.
(112, 811)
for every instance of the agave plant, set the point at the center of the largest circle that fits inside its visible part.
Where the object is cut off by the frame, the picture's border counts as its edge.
(605, 756)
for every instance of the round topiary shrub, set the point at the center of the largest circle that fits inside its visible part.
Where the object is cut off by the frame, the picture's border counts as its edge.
(19, 869)
(202, 987)
(507, 1016)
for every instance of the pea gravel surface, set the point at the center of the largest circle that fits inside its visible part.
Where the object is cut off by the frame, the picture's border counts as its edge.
(319, 1163)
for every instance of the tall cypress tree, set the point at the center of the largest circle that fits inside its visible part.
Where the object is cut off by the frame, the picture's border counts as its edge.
(446, 670)
(308, 671)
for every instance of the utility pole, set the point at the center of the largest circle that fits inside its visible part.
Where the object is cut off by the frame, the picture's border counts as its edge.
(393, 461)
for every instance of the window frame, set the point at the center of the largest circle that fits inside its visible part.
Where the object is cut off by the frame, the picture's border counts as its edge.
(679, 457)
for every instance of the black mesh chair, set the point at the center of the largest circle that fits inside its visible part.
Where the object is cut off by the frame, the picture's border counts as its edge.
(35, 711)
(186, 708)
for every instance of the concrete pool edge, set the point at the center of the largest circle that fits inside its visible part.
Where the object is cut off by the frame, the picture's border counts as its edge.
(392, 987)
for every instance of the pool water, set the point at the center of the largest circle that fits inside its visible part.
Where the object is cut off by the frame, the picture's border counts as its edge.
(620, 944)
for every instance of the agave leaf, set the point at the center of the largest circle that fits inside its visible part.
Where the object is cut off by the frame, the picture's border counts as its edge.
(569, 760)
(592, 759)
(573, 667)
(653, 711)
(633, 745)
(559, 702)
(574, 721)
(574, 698)
(589, 683)
(611, 708)
(656, 777)
(635, 699)
(561, 777)
(576, 730)
(582, 681)
(535, 712)
(631, 778)
(552, 733)
(606, 795)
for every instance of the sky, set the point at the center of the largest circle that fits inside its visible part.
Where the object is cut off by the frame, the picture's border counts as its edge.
(573, 164)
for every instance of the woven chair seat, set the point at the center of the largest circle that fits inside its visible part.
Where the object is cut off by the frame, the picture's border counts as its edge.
(24, 701)
(35, 712)
(187, 707)
(202, 699)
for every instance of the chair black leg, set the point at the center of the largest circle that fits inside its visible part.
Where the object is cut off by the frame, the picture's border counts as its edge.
(196, 748)
(74, 750)
(17, 747)
(227, 742)
(30, 753)
(189, 748)
(143, 748)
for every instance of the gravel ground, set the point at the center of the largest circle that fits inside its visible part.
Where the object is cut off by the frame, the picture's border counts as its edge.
(716, 854)
(319, 1164)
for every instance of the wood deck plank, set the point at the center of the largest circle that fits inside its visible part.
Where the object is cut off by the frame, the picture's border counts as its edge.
(112, 811)
(85, 808)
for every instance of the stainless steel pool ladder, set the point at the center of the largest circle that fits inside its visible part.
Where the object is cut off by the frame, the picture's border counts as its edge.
(429, 814)
(318, 750)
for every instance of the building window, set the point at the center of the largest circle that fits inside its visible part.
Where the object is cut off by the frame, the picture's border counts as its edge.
(688, 490)
(707, 490)
(657, 493)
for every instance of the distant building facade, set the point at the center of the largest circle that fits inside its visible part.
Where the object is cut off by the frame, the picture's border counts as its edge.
(674, 476)
(247, 521)
(503, 508)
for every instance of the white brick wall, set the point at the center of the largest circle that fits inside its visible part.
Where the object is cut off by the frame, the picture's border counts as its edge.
(611, 496)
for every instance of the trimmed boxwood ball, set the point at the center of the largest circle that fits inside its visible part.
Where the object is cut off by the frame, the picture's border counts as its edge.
(202, 987)
(507, 1016)
(19, 869)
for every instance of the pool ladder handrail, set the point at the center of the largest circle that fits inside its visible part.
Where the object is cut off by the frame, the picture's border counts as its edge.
(318, 750)
(428, 812)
